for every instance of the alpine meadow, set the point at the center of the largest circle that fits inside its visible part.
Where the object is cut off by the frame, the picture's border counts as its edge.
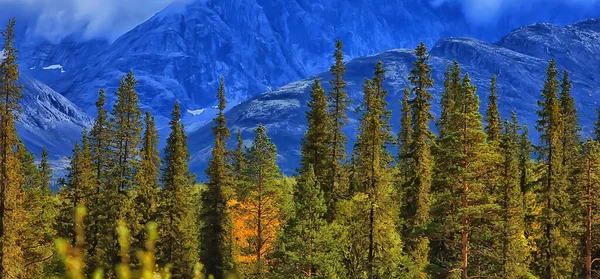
(420, 181)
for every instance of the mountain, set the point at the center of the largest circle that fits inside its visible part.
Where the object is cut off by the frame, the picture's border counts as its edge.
(49, 119)
(519, 59)
(257, 45)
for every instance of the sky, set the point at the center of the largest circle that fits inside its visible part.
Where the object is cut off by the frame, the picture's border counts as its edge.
(108, 19)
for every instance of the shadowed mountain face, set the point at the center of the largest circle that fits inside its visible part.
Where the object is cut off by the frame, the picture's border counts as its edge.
(49, 119)
(519, 59)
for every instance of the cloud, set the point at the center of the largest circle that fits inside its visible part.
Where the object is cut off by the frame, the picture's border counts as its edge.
(489, 11)
(55, 19)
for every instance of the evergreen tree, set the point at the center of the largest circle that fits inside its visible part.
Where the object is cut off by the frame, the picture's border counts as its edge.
(591, 182)
(555, 253)
(178, 242)
(302, 248)
(214, 251)
(493, 121)
(338, 105)
(97, 216)
(417, 197)
(258, 214)
(126, 125)
(514, 245)
(452, 87)
(316, 142)
(38, 237)
(374, 163)
(463, 207)
(146, 187)
(12, 214)
(404, 140)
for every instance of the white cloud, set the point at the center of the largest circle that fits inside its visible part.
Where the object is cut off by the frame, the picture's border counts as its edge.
(55, 19)
(486, 11)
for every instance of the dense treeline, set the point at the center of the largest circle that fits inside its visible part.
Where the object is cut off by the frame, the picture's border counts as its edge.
(475, 200)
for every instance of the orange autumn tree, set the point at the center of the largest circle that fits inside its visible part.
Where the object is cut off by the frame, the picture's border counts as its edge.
(257, 213)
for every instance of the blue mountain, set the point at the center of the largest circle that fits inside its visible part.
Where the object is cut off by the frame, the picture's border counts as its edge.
(519, 59)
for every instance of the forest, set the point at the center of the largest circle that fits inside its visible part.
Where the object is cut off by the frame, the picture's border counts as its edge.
(475, 199)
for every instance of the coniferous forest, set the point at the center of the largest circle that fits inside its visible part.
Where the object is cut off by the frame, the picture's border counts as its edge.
(475, 199)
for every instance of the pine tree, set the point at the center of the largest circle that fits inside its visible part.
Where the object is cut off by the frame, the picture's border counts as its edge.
(146, 187)
(38, 237)
(338, 105)
(514, 245)
(417, 195)
(214, 251)
(178, 242)
(591, 182)
(373, 166)
(126, 125)
(97, 217)
(302, 248)
(555, 255)
(493, 121)
(13, 217)
(404, 140)
(452, 87)
(257, 213)
(463, 207)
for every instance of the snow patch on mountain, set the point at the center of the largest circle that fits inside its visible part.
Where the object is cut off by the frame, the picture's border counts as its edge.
(196, 112)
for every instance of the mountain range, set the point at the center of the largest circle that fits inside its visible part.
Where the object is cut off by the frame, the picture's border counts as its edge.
(269, 52)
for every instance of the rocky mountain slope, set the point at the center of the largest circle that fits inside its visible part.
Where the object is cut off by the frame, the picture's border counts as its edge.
(49, 119)
(180, 53)
(519, 59)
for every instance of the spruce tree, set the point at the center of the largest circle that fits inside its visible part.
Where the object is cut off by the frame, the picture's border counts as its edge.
(404, 140)
(463, 207)
(591, 182)
(493, 121)
(258, 214)
(452, 87)
(39, 233)
(514, 245)
(373, 167)
(97, 216)
(302, 248)
(555, 253)
(316, 142)
(126, 125)
(338, 105)
(12, 215)
(146, 187)
(417, 197)
(214, 252)
(178, 242)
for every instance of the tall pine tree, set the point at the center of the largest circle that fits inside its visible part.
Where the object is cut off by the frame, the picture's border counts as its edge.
(417, 196)
(493, 127)
(338, 105)
(12, 214)
(146, 187)
(178, 243)
(555, 253)
(214, 251)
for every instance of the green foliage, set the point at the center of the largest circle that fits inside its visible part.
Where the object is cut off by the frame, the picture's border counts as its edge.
(417, 193)
(554, 257)
(215, 253)
(493, 121)
(178, 242)
(338, 105)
